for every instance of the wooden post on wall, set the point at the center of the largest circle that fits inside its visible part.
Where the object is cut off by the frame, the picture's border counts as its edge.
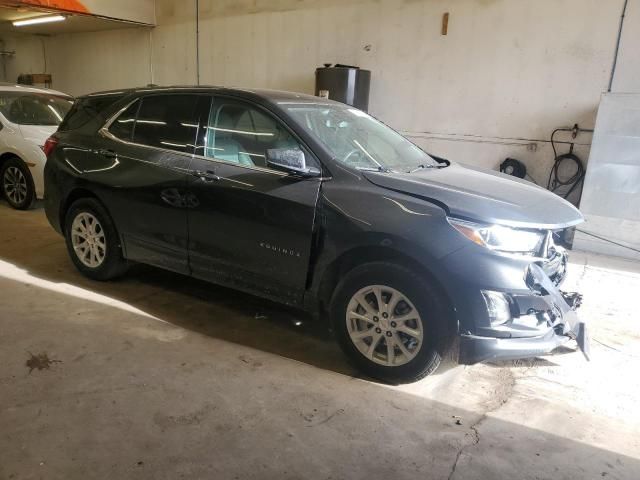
(445, 23)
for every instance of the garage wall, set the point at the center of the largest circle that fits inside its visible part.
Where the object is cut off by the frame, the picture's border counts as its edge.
(174, 43)
(513, 65)
(627, 78)
(85, 62)
(29, 56)
(505, 76)
(82, 62)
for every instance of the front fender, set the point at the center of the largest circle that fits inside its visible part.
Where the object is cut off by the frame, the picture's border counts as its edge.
(358, 225)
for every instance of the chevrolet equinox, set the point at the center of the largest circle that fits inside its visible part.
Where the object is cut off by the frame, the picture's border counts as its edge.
(312, 203)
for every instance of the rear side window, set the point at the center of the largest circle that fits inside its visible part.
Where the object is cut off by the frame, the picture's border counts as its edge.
(167, 121)
(86, 109)
(122, 127)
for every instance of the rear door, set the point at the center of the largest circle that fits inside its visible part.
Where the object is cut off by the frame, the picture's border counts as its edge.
(251, 226)
(142, 161)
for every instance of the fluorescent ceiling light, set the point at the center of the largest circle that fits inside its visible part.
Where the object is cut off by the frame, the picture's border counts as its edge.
(37, 20)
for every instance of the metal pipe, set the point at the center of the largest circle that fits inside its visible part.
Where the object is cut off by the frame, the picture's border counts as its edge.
(44, 54)
(615, 56)
(197, 42)
(4, 61)
(151, 82)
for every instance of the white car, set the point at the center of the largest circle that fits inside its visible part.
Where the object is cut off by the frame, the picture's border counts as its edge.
(28, 116)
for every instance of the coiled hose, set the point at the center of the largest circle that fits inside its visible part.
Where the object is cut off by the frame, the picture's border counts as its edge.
(555, 182)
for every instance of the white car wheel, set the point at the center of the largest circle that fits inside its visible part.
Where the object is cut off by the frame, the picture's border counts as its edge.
(17, 184)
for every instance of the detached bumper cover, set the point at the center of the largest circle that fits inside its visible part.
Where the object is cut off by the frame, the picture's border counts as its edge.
(474, 349)
(561, 326)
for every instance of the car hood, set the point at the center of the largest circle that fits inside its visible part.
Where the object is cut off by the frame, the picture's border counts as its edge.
(37, 134)
(483, 195)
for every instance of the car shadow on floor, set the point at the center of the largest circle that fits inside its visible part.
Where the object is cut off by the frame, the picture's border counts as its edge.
(29, 243)
(184, 301)
(237, 317)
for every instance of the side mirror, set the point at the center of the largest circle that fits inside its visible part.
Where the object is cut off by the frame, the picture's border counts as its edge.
(290, 160)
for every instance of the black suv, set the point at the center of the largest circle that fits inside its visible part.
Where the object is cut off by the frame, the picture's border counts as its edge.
(317, 205)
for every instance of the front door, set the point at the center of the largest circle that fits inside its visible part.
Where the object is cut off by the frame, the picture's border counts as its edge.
(250, 226)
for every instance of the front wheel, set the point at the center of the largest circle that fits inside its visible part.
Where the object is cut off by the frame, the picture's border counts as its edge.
(390, 322)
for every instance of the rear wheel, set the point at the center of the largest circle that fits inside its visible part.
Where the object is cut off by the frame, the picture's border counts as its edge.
(92, 240)
(390, 322)
(17, 184)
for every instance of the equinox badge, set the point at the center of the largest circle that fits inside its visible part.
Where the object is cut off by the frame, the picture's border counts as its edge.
(277, 249)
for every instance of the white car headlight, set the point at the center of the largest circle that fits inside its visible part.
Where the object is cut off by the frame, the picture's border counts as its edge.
(500, 238)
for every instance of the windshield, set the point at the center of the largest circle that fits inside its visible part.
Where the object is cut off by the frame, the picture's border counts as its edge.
(359, 140)
(34, 108)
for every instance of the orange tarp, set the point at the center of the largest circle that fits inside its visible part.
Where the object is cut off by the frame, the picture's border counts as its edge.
(67, 5)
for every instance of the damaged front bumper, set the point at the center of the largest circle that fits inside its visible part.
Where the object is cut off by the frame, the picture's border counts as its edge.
(542, 322)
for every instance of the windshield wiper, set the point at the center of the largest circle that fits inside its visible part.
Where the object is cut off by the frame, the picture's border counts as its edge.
(373, 169)
(421, 167)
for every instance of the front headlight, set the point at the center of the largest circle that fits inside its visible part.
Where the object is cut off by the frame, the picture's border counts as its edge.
(500, 238)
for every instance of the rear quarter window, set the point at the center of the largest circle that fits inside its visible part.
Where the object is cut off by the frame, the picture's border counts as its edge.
(122, 127)
(87, 109)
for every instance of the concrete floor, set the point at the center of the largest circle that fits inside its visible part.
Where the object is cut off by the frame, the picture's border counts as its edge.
(161, 376)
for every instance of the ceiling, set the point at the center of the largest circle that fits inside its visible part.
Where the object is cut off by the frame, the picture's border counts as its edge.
(73, 23)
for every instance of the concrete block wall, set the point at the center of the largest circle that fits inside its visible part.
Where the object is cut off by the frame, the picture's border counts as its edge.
(504, 77)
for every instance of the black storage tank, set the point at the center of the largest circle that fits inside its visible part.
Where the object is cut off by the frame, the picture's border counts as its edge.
(345, 84)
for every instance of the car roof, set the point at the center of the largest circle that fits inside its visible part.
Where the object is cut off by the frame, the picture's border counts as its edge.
(12, 87)
(273, 96)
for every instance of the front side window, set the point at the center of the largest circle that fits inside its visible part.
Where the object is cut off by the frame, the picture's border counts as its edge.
(239, 133)
(357, 139)
(34, 108)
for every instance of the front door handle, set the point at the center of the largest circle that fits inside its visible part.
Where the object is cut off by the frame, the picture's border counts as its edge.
(105, 152)
(206, 175)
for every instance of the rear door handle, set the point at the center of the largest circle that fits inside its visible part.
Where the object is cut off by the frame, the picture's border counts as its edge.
(105, 152)
(206, 175)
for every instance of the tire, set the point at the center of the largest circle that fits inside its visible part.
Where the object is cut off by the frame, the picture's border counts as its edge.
(17, 184)
(88, 223)
(430, 310)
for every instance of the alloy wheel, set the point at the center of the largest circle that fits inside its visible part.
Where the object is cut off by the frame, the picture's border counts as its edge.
(15, 185)
(384, 325)
(88, 240)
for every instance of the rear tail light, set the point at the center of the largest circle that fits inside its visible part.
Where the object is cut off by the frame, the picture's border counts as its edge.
(49, 145)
